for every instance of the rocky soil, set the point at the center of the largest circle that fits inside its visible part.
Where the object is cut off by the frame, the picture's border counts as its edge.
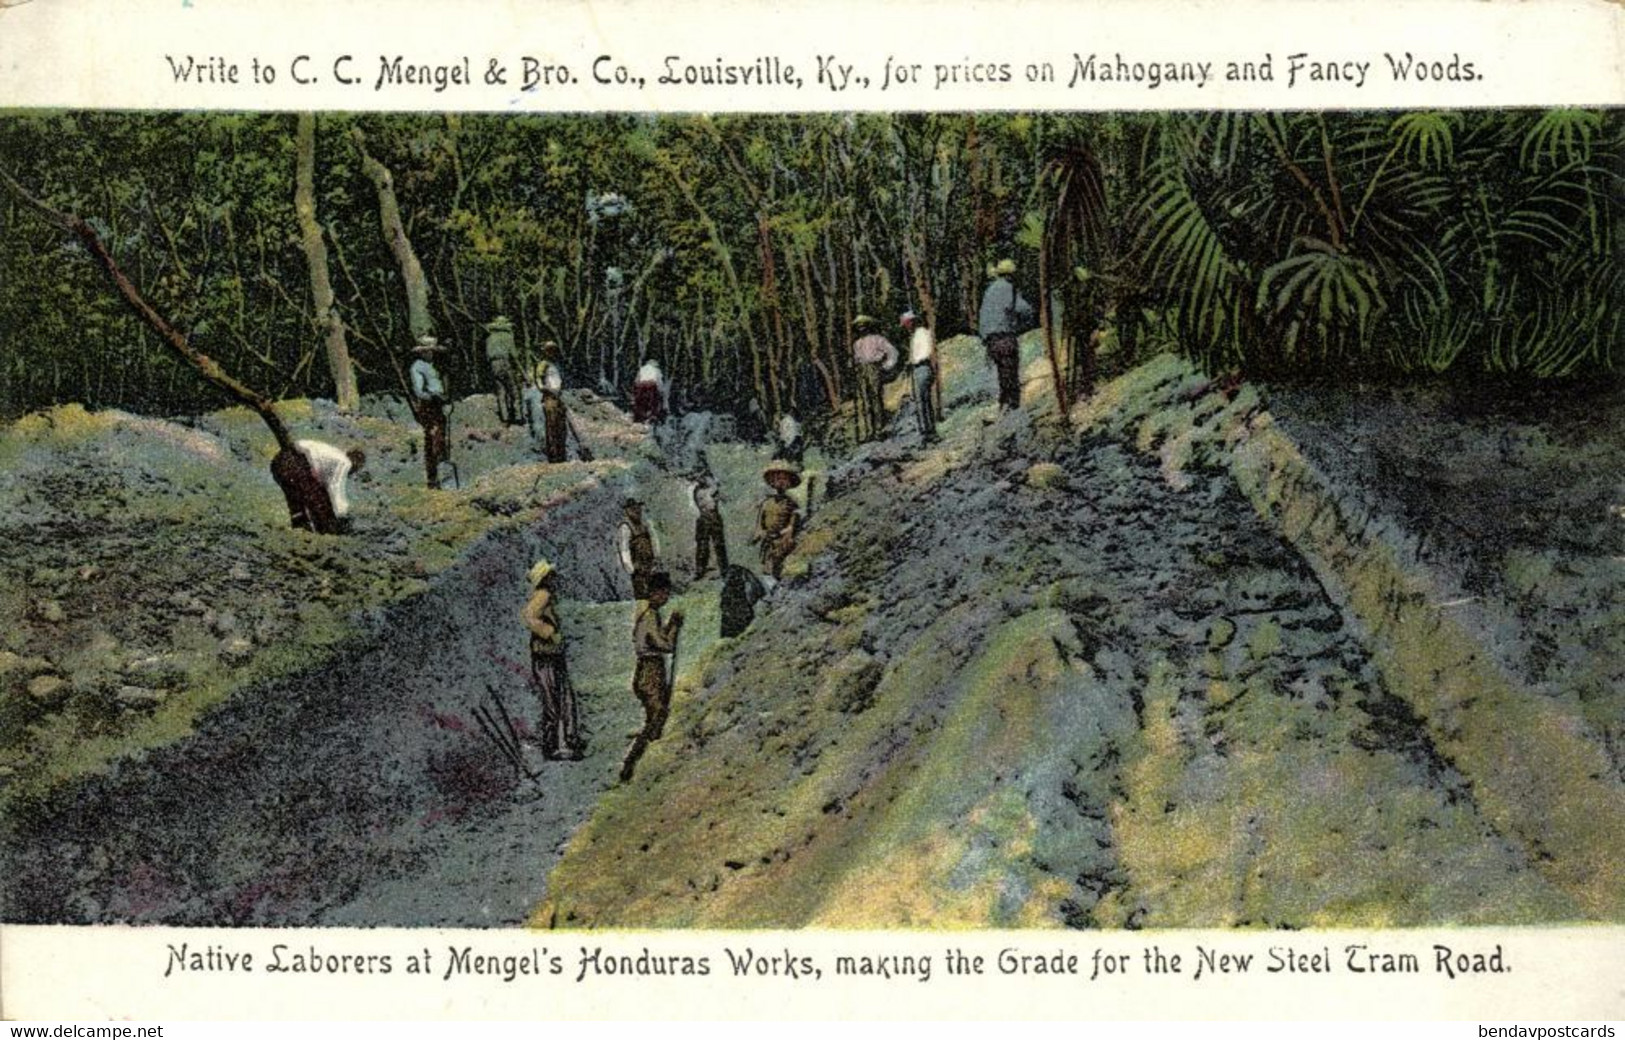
(1024, 677)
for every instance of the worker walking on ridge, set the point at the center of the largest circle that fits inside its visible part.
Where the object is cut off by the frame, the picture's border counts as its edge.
(872, 356)
(429, 406)
(778, 519)
(922, 373)
(709, 534)
(636, 547)
(544, 404)
(332, 468)
(560, 733)
(499, 352)
(650, 393)
(653, 640)
(1004, 316)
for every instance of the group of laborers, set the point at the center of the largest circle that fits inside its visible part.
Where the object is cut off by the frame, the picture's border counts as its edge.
(533, 398)
(654, 638)
(1003, 316)
(530, 397)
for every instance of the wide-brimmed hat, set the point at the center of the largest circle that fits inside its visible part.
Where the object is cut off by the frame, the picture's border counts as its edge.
(427, 344)
(550, 348)
(781, 466)
(863, 321)
(539, 572)
(1005, 266)
(501, 321)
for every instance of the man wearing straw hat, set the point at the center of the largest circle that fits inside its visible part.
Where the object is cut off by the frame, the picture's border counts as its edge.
(429, 406)
(1004, 316)
(871, 353)
(544, 400)
(561, 724)
(778, 519)
(499, 351)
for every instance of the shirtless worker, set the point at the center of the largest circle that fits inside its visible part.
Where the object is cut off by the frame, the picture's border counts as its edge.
(653, 640)
(560, 732)
(778, 519)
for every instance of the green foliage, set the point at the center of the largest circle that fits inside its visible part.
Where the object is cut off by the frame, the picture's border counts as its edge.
(1417, 242)
(742, 246)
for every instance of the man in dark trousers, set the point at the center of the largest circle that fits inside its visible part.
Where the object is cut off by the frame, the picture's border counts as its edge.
(499, 351)
(429, 406)
(873, 355)
(544, 403)
(561, 722)
(709, 535)
(1004, 316)
(636, 547)
(653, 640)
(778, 519)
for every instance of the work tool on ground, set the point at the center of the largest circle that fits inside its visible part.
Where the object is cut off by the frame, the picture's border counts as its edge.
(500, 730)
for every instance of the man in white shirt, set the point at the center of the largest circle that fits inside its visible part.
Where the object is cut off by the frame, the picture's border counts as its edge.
(544, 404)
(333, 468)
(649, 393)
(922, 373)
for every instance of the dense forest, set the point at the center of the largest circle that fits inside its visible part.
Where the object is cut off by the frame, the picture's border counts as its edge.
(303, 253)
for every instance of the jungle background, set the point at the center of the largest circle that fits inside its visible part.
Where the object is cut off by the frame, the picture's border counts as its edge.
(1484, 245)
(1290, 596)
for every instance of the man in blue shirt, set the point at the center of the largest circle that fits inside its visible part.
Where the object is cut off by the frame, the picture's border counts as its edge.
(429, 406)
(1004, 316)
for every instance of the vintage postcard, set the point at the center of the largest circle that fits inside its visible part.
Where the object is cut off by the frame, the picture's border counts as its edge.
(812, 512)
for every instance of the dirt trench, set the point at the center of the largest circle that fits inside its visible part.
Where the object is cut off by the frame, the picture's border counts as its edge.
(359, 792)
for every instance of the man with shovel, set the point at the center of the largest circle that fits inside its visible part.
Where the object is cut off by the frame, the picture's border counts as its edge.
(561, 722)
(653, 640)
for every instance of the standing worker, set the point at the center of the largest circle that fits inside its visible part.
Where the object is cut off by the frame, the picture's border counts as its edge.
(709, 534)
(789, 443)
(637, 549)
(778, 519)
(561, 723)
(652, 680)
(1003, 317)
(499, 351)
(649, 393)
(429, 406)
(544, 401)
(333, 468)
(871, 354)
(922, 373)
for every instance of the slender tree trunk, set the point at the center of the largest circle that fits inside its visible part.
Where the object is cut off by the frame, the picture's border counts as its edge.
(321, 284)
(389, 214)
(1046, 319)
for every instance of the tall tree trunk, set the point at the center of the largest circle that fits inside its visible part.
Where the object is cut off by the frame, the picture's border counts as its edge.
(389, 214)
(321, 284)
(308, 503)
